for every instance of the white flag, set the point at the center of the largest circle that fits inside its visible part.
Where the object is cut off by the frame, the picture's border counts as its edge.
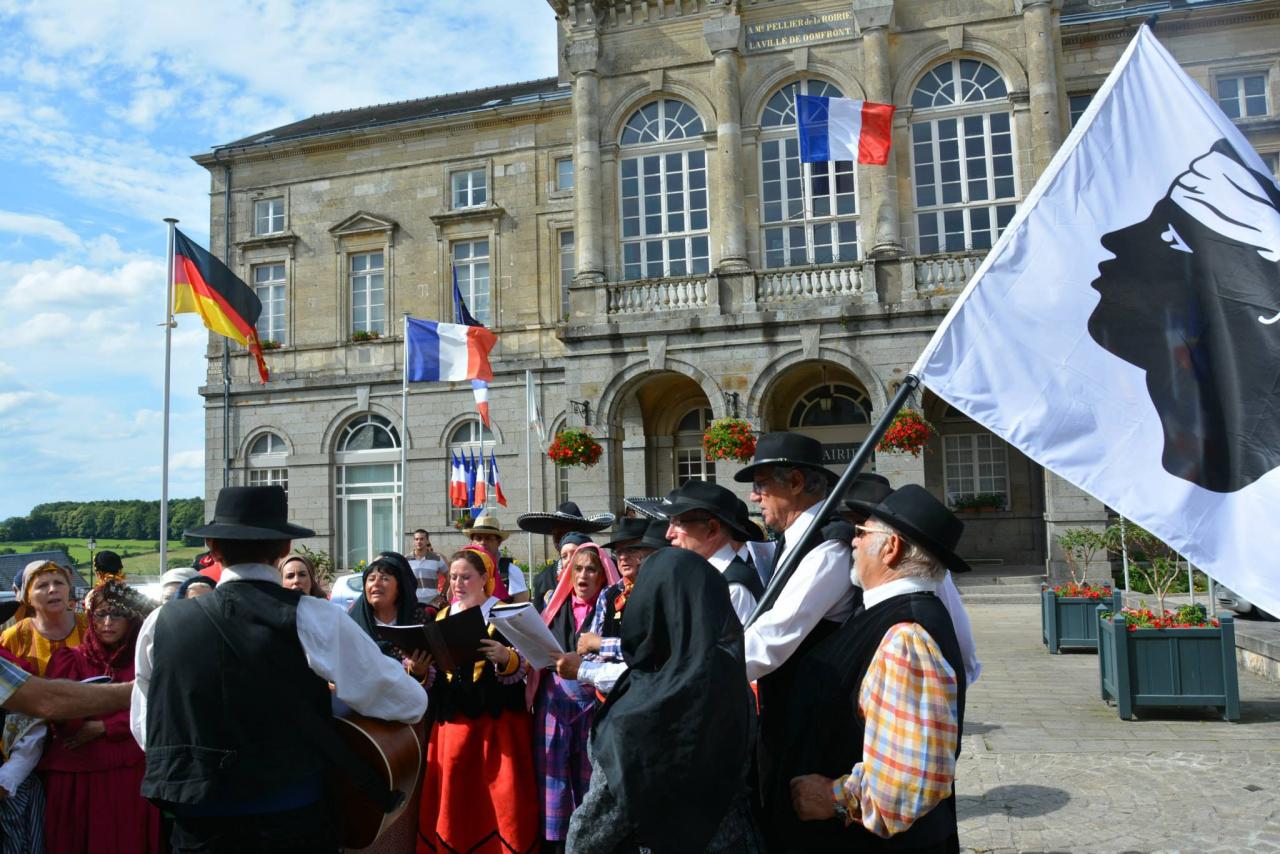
(531, 405)
(1122, 332)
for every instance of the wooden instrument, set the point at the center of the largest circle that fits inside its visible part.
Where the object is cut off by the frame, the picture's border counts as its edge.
(395, 753)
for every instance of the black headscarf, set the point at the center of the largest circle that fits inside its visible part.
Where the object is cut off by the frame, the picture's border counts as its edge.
(408, 612)
(674, 738)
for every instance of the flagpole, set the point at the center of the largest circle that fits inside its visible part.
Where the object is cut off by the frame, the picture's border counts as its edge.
(404, 427)
(528, 460)
(832, 503)
(164, 444)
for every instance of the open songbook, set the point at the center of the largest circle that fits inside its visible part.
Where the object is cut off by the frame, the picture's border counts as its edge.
(453, 642)
(523, 627)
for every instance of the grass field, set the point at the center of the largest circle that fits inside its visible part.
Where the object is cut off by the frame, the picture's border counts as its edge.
(142, 557)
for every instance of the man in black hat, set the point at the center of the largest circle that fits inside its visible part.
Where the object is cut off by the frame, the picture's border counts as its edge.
(872, 740)
(598, 659)
(708, 519)
(238, 685)
(567, 520)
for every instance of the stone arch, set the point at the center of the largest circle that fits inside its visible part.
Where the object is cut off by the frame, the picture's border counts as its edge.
(753, 104)
(259, 431)
(458, 420)
(333, 430)
(1002, 60)
(765, 383)
(641, 94)
(631, 377)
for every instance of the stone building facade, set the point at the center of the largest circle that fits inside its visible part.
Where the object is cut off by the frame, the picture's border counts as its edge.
(642, 236)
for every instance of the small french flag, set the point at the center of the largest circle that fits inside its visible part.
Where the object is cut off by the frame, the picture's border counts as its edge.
(495, 481)
(440, 352)
(480, 390)
(843, 129)
(457, 482)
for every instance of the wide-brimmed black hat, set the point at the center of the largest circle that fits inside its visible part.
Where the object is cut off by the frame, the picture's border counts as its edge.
(917, 515)
(251, 513)
(786, 449)
(868, 488)
(650, 508)
(655, 536)
(628, 529)
(755, 533)
(711, 498)
(568, 517)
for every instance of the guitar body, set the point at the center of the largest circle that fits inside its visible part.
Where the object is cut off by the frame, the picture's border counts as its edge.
(394, 751)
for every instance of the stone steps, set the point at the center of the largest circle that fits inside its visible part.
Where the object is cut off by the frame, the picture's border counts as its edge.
(1014, 585)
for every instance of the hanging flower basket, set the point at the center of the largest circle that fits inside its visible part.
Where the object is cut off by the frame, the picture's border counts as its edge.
(907, 434)
(575, 448)
(729, 439)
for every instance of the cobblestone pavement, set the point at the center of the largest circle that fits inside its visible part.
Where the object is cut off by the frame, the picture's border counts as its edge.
(1046, 765)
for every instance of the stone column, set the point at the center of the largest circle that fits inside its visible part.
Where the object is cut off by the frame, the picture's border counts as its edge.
(581, 57)
(881, 192)
(1068, 506)
(723, 34)
(1042, 80)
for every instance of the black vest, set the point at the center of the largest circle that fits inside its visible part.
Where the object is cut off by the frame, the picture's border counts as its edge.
(824, 727)
(214, 734)
(740, 572)
(543, 585)
(611, 625)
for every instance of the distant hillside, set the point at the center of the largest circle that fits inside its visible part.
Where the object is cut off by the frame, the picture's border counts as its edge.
(125, 520)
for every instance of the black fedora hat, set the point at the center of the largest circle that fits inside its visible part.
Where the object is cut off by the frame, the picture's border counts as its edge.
(917, 515)
(868, 488)
(786, 449)
(655, 536)
(628, 529)
(568, 517)
(251, 513)
(710, 498)
(749, 526)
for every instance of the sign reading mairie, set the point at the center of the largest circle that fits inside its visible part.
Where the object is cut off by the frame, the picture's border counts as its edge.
(799, 30)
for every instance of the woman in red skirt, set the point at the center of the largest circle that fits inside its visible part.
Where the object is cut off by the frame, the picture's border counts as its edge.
(479, 793)
(93, 768)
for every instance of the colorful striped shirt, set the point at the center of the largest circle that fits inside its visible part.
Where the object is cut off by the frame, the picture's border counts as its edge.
(909, 702)
(12, 677)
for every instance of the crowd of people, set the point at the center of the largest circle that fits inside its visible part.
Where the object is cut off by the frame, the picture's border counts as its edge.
(693, 706)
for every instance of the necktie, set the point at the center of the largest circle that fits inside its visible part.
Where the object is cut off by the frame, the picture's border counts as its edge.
(778, 549)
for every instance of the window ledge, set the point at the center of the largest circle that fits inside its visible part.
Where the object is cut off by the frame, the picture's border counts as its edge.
(269, 241)
(480, 213)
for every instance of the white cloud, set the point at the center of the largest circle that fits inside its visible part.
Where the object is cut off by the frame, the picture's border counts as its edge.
(38, 226)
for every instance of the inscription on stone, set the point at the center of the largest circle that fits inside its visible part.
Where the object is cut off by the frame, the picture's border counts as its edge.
(799, 30)
(839, 453)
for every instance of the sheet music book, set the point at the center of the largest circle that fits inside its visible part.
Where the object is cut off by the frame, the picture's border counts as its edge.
(453, 642)
(522, 625)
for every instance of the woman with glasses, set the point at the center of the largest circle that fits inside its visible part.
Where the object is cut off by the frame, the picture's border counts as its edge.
(93, 768)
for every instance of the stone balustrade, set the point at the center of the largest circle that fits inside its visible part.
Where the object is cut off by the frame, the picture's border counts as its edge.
(657, 295)
(855, 281)
(944, 274)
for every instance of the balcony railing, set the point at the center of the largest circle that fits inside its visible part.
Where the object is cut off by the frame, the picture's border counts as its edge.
(857, 280)
(944, 274)
(657, 295)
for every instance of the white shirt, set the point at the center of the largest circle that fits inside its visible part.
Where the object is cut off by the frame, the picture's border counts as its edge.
(819, 589)
(946, 591)
(337, 650)
(515, 580)
(744, 602)
(23, 756)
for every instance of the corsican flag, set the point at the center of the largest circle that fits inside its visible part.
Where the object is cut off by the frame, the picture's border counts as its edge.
(447, 351)
(531, 407)
(1123, 330)
(843, 129)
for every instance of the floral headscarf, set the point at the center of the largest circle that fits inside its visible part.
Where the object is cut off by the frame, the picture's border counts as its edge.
(30, 573)
(117, 598)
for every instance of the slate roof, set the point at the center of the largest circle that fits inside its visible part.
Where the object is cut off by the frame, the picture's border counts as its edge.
(11, 565)
(397, 112)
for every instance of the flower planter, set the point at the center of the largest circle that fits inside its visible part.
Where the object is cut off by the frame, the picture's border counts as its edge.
(1071, 620)
(1168, 668)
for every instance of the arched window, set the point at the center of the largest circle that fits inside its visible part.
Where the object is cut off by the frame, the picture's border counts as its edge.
(831, 405)
(267, 462)
(465, 443)
(664, 193)
(369, 488)
(963, 169)
(691, 461)
(809, 210)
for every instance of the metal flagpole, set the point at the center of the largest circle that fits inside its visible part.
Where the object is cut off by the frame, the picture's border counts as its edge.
(226, 346)
(528, 460)
(832, 503)
(404, 427)
(164, 445)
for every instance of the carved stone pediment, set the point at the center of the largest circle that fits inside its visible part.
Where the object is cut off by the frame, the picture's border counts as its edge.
(363, 222)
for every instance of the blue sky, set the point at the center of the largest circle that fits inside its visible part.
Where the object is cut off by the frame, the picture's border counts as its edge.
(102, 104)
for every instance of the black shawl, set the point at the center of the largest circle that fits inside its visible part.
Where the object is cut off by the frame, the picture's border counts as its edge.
(675, 737)
(408, 611)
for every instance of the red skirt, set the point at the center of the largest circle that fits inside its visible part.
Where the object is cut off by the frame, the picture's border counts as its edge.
(90, 811)
(479, 795)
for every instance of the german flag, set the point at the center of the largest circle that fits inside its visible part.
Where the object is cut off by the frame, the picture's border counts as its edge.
(205, 286)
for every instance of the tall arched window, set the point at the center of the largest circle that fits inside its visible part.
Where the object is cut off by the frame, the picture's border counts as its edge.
(664, 193)
(465, 442)
(692, 463)
(369, 488)
(963, 170)
(267, 462)
(809, 210)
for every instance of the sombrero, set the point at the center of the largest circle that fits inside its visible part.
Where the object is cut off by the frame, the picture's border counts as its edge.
(568, 517)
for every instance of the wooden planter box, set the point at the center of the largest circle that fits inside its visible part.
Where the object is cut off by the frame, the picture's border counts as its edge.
(1071, 620)
(1170, 668)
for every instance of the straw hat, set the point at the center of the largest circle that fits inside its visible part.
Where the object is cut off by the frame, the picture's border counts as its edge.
(486, 523)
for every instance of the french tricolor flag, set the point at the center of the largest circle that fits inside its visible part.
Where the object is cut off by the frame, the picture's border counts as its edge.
(439, 352)
(843, 129)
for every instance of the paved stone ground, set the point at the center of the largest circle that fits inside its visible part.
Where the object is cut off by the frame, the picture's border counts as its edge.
(1046, 765)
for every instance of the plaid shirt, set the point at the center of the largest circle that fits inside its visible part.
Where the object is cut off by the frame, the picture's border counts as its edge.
(909, 702)
(12, 677)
